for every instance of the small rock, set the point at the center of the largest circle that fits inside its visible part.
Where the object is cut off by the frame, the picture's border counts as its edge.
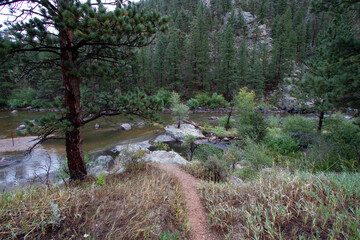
(266, 170)
(125, 127)
(120, 171)
(29, 108)
(236, 180)
(212, 139)
(96, 126)
(141, 124)
(213, 118)
(226, 139)
(21, 127)
(14, 111)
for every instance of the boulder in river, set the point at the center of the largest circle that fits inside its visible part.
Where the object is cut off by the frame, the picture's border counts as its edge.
(125, 127)
(184, 130)
(14, 111)
(21, 127)
(213, 118)
(141, 124)
(96, 126)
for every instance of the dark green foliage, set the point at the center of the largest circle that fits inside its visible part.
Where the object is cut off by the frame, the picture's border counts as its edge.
(203, 152)
(223, 121)
(227, 77)
(193, 103)
(250, 122)
(22, 97)
(280, 142)
(302, 130)
(213, 102)
(164, 96)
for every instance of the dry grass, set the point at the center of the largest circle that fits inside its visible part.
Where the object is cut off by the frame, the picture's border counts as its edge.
(283, 206)
(141, 205)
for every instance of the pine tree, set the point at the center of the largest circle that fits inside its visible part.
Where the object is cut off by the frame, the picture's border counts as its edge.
(227, 78)
(159, 60)
(284, 47)
(199, 53)
(242, 66)
(85, 36)
(173, 59)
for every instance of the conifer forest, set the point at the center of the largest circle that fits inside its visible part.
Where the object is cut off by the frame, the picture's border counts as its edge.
(262, 98)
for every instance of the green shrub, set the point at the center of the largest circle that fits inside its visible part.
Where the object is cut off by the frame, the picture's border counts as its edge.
(203, 152)
(280, 142)
(162, 146)
(246, 173)
(274, 122)
(251, 122)
(3, 102)
(165, 97)
(338, 149)
(203, 99)
(256, 154)
(300, 129)
(217, 101)
(101, 179)
(193, 103)
(22, 97)
(223, 121)
(215, 169)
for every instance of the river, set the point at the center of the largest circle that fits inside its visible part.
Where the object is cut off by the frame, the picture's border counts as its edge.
(23, 168)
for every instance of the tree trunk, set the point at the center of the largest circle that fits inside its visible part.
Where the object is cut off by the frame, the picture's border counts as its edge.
(228, 119)
(71, 83)
(321, 118)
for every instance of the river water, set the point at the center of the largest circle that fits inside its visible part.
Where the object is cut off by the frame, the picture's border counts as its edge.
(52, 153)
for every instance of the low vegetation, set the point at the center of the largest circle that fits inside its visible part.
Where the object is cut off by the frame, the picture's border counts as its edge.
(280, 205)
(146, 204)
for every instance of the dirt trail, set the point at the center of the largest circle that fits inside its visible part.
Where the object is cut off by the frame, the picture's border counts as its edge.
(200, 228)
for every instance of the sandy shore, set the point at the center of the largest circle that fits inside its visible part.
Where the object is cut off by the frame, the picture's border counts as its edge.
(20, 144)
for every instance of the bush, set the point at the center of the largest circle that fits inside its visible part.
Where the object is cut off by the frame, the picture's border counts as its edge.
(217, 101)
(165, 97)
(203, 152)
(251, 122)
(300, 129)
(193, 103)
(203, 99)
(223, 121)
(22, 97)
(162, 146)
(280, 142)
(215, 169)
(256, 154)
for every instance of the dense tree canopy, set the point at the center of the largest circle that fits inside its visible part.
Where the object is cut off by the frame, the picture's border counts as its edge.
(84, 41)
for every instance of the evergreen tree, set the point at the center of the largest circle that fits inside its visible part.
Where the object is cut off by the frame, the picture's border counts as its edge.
(284, 48)
(159, 60)
(86, 34)
(173, 59)
(199, 53)
(242, 66)
(227, 77)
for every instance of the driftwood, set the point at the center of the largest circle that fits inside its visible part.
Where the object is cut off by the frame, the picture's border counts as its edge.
(194, 124)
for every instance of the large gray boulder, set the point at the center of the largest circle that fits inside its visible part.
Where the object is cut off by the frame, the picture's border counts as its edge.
(102, 164)
(134, 147)
(184, 130)
(165, 138)
(165, 157)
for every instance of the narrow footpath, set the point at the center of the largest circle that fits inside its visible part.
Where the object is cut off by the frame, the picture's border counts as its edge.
(200, 228)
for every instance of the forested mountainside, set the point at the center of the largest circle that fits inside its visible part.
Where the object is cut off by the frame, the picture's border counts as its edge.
(221, 46)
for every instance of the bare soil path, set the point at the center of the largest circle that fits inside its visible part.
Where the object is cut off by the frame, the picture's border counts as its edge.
(200, 228)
